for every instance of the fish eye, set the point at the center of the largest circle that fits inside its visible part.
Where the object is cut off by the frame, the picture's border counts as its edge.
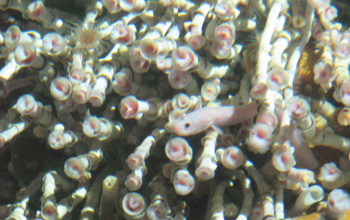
(187, 125)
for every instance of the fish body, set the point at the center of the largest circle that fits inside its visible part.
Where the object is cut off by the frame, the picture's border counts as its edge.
(201, 119)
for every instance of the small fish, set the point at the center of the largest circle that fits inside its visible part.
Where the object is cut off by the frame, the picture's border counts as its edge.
(201, 119)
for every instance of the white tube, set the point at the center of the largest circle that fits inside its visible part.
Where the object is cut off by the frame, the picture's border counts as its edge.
(307, 198)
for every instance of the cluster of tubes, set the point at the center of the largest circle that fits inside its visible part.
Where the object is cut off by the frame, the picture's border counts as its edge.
(158, 104)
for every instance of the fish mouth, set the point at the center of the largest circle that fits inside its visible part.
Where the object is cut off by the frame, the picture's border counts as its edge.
(178, 131)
